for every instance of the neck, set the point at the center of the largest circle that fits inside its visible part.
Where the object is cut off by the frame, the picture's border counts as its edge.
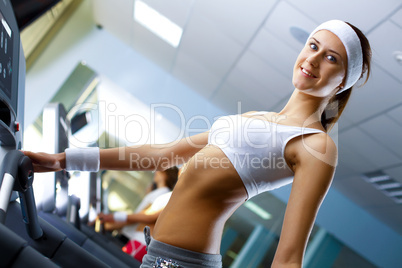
(161, 184)
(305, 108)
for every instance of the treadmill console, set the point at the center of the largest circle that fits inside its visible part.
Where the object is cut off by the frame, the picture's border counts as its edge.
(12, 78)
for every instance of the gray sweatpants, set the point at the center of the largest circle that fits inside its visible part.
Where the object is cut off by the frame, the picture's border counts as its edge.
(163, 255)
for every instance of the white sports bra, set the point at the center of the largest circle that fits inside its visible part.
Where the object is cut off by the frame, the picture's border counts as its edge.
(256, 149)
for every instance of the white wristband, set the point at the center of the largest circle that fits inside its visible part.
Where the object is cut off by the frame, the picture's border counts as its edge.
(83, 159)
(120, 216)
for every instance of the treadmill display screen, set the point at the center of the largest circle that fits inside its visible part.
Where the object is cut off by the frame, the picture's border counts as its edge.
(6, 53)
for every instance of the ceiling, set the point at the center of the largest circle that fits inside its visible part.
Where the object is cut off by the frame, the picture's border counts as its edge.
(243, 51)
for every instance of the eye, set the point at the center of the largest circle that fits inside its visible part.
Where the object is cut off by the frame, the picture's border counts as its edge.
(313, 46)
(331, 58)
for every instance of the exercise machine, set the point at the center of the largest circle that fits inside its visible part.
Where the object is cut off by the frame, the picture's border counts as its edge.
(26, 238)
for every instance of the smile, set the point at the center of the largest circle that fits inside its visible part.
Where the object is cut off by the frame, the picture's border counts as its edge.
(307, 73)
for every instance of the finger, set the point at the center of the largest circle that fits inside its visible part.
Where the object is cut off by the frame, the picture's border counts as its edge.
(45, 160)
(41, 169)
(42, 158)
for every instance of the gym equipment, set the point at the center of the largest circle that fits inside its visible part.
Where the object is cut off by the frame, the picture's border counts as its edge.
(26, 239)
(53, 244)
(15, 252)
(17, 174)
(55, 207)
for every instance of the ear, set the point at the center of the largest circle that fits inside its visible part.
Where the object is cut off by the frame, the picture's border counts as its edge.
(339, 88)
(342, 84)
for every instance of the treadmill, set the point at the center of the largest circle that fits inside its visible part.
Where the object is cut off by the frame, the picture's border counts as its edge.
(26, 239)
(61, 210)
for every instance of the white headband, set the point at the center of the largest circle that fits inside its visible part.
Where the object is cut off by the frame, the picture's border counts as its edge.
(352, 45)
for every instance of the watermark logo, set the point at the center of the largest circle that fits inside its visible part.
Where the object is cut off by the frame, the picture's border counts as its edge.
(252, 131)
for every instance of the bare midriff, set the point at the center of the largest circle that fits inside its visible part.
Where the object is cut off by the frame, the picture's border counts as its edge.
(207, 193)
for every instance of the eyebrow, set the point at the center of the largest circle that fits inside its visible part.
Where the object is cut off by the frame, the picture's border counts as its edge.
(333, 51)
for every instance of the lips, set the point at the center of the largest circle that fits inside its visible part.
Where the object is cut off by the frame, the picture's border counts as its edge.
(307, 73)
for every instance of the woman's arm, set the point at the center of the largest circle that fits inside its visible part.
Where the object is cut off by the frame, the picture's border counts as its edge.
(313, 177)
(153, 156)
(141, 217)
(144, 157)
(111, 224)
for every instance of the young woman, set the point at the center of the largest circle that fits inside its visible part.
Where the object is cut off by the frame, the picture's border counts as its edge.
(146, 214)
(244, 155)
(163, 182)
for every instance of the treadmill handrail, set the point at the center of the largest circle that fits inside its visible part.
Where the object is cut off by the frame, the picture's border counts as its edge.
(18, 176)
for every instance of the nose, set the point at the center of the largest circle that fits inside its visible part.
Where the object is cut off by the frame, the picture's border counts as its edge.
(312, 60)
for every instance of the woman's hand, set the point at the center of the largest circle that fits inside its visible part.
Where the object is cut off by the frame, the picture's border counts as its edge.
(44, 162)
(103, 218)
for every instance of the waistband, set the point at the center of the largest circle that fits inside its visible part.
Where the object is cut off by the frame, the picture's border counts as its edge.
(183, 257)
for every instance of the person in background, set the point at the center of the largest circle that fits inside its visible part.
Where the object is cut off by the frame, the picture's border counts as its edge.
(136, 245)
(163, 182)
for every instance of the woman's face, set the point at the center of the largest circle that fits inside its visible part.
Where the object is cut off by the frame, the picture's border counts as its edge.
(321, 66)
(159, 176)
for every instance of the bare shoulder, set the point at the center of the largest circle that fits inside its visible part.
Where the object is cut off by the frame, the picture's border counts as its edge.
(317, 149)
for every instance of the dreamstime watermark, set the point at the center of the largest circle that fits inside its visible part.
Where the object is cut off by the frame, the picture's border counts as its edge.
(234, 132)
